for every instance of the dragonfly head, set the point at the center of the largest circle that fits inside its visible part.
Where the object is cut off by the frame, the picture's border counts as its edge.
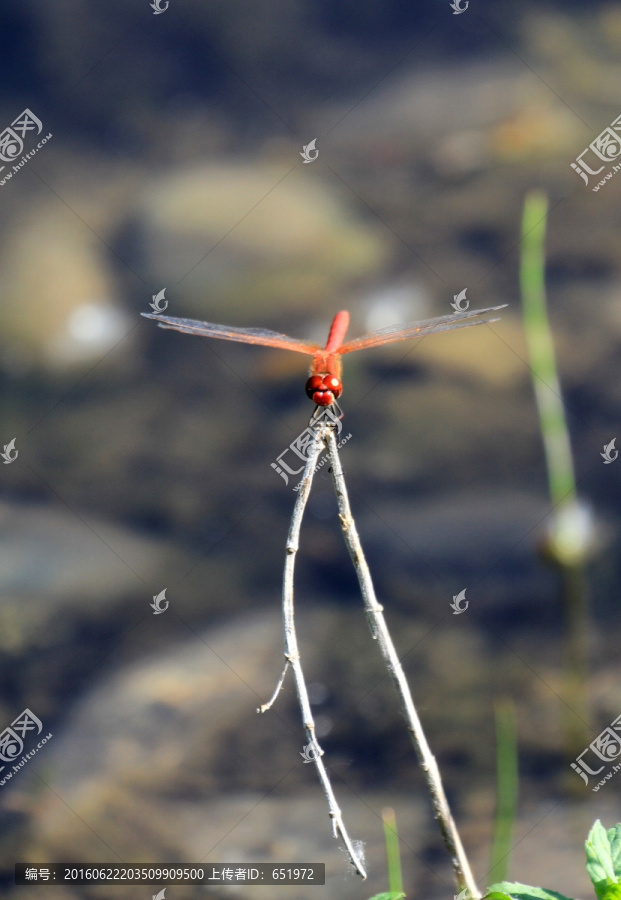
(324, 386)
(324, 389)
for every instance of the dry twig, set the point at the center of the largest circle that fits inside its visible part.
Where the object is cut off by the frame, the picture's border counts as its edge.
(379, 631)
(292, 654)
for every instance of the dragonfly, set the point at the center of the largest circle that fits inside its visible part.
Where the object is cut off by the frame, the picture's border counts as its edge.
(324, 385)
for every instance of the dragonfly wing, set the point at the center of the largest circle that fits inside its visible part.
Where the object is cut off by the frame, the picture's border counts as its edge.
(395, 333)
(229, 333)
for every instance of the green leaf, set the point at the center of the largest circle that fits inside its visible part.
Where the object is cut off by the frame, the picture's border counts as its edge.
(599, 852)
(614, 839)
(613, 892)
(524, 892)
(390, 895)
(496, 895)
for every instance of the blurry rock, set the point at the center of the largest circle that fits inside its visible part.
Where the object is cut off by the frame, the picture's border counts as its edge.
(463, 533)
(537, 129)
(49, 553)
(72, 586)
(480, 354)
(462, 152)
(426, 106)
(392, 303)
(247, 234)
(52, 263)
(459, 118)
(168, 760)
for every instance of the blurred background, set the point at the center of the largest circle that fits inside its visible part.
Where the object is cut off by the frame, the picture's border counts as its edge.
(145, 455)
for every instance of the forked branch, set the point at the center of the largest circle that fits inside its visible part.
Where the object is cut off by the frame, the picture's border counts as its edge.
(292, 655)
(379, 631)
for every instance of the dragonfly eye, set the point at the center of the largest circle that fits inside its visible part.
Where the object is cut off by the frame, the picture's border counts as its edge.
(313, 384)
(333, 384)
(323, 389)
(323, 398)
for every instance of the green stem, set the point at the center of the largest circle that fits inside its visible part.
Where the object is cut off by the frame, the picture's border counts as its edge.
(395, 881)
(540, 345)
(569, 540)
(507, 788)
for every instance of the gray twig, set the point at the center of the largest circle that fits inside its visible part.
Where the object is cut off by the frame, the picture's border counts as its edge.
(292, 654)
(281, 681)
(379, 631)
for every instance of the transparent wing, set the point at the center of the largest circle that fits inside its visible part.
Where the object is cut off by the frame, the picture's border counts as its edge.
(228, 333)
(395, 333)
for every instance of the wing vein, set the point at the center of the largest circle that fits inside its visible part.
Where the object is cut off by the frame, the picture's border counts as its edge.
(407, 331)
(261, 336)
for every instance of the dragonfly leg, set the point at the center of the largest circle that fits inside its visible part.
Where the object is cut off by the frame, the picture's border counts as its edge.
(334, 414)
(314, 416)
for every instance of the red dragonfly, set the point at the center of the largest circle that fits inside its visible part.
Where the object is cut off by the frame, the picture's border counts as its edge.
(324, 386)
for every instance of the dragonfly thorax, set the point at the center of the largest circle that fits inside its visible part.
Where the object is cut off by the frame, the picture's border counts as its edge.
(324, 389)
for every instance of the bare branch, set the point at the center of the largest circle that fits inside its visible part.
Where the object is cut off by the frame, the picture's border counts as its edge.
(277, 690)
(379, 631)
(292, 654)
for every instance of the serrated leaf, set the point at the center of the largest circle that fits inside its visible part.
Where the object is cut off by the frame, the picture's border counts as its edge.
(614, 839)
(613, 892)
(600, 865)
(517, 891)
